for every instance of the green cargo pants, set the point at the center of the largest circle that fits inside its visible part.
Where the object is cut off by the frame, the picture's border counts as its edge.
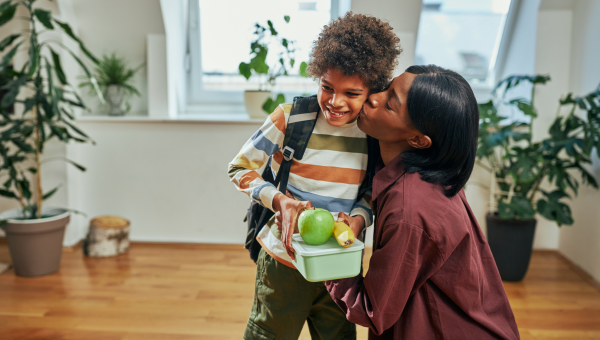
(284, 300)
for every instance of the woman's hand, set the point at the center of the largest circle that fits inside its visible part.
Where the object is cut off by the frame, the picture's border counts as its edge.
(286, 218)
(356, 223)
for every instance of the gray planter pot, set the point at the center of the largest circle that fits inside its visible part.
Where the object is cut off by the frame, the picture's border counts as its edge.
(36, 245)
(511, 243)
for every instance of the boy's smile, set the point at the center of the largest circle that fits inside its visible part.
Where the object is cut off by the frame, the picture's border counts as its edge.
(341, 96)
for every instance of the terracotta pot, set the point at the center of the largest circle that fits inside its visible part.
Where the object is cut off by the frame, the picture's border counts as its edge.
(511, 243)
(36, 245)
(254, 101)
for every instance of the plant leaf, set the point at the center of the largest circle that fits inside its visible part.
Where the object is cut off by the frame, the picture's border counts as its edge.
(50, 193)
(8, 41)
(286, 18)
(7, 194)
(7, 12)
(245, 70)
(303, 67)
(58, 68)
(554, 210)
(271, 28)
(78, 166)
(270, 105)
(45, 17)
(67, 29)
(6, 60)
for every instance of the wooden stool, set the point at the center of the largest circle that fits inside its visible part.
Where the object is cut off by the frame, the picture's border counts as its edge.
(107, 236)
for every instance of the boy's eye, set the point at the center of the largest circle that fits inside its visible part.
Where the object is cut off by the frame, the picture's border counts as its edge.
(387, 105)
(325, 87)
(351, 94)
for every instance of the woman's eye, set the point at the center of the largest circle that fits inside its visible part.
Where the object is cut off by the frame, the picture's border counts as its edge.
(387, 105)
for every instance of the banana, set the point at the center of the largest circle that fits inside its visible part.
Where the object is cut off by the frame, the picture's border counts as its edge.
(343, 234)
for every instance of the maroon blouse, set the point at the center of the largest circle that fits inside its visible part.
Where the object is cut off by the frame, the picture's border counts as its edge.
(432, 274)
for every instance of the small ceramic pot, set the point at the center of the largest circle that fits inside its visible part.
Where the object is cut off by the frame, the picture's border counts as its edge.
(254, 101)
(115, 96)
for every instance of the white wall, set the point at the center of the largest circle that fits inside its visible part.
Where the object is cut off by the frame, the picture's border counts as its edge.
(403, 16)
(520, 59)
(553, 25)
(175, 16)
(118, 26)
(581, 242)
(169, 179)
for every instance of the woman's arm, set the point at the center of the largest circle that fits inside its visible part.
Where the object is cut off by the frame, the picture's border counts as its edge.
(406, 258)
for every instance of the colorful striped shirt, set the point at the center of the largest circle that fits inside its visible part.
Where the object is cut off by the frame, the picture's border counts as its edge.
(329, 175)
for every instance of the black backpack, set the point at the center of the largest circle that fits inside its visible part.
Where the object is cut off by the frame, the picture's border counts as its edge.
(301, 123)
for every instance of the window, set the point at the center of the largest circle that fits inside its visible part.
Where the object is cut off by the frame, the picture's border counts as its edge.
(220, 36)
(462, 35)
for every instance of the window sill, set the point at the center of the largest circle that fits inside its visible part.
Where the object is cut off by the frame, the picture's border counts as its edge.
(219, 118)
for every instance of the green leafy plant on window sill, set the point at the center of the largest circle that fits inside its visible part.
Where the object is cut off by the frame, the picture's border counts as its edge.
(268, 74)
(535, 177)
(47, 101)
(112, 71)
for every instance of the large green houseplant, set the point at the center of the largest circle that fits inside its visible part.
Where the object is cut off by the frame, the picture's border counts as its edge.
(533, 176)
(266, 39)
(46, 100)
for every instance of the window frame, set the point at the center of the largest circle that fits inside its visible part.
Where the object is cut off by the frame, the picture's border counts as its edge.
(496, 69)
(201, 100)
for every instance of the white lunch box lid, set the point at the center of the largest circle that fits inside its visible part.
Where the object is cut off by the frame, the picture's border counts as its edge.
(329, 247)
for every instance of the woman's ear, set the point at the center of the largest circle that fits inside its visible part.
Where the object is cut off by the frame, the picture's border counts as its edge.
(419, 141)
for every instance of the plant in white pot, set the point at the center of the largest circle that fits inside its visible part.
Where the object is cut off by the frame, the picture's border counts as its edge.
(114, 79)
(260, 102)
(46, 101)
(531, 177)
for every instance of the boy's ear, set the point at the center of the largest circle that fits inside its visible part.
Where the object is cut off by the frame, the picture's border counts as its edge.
(419, 141)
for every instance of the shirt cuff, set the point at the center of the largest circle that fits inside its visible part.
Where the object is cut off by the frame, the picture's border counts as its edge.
(266, 196)
(358, 210)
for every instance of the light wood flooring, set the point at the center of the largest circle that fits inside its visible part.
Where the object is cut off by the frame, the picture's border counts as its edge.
(184, 292)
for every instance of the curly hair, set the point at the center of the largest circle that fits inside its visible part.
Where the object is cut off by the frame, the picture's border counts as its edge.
(357, 44)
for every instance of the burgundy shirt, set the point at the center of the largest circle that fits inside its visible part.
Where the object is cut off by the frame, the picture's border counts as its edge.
(432, 274)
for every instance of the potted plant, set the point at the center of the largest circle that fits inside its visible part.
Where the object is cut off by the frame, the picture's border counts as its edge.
(530, 177)
(261, 101)
(35, 232)
(114, 79)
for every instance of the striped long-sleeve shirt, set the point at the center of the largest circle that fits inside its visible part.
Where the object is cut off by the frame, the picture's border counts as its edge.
(329, 175)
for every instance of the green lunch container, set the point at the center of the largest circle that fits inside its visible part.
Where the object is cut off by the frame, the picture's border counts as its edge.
(328, 261)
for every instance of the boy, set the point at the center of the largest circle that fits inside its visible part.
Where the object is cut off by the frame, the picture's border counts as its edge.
(353, 57)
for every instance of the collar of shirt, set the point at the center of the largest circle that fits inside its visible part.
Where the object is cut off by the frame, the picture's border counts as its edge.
(387, 175)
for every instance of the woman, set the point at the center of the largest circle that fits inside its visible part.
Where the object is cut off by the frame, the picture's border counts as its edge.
(432, 274)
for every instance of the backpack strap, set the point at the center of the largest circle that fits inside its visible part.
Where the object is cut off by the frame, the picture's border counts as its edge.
(300, 126)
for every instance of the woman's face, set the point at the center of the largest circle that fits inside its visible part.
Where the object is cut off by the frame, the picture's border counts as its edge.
(341, 97)
(385, 115)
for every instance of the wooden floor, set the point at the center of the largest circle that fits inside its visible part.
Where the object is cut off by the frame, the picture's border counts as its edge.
(181, 292)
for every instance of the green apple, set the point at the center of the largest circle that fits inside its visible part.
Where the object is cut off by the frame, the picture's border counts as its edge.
(316, 226)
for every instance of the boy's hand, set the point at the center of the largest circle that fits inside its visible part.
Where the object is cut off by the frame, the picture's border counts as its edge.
(356, 223)
(286, 218)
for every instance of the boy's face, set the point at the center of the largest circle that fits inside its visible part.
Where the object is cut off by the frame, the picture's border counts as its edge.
(385, 115)
(341, 97)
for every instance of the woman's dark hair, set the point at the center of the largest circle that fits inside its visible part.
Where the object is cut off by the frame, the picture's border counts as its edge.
(357, 44)
(442, 106)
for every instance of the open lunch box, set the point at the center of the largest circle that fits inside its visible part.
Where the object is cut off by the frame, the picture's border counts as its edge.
(328, 261)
